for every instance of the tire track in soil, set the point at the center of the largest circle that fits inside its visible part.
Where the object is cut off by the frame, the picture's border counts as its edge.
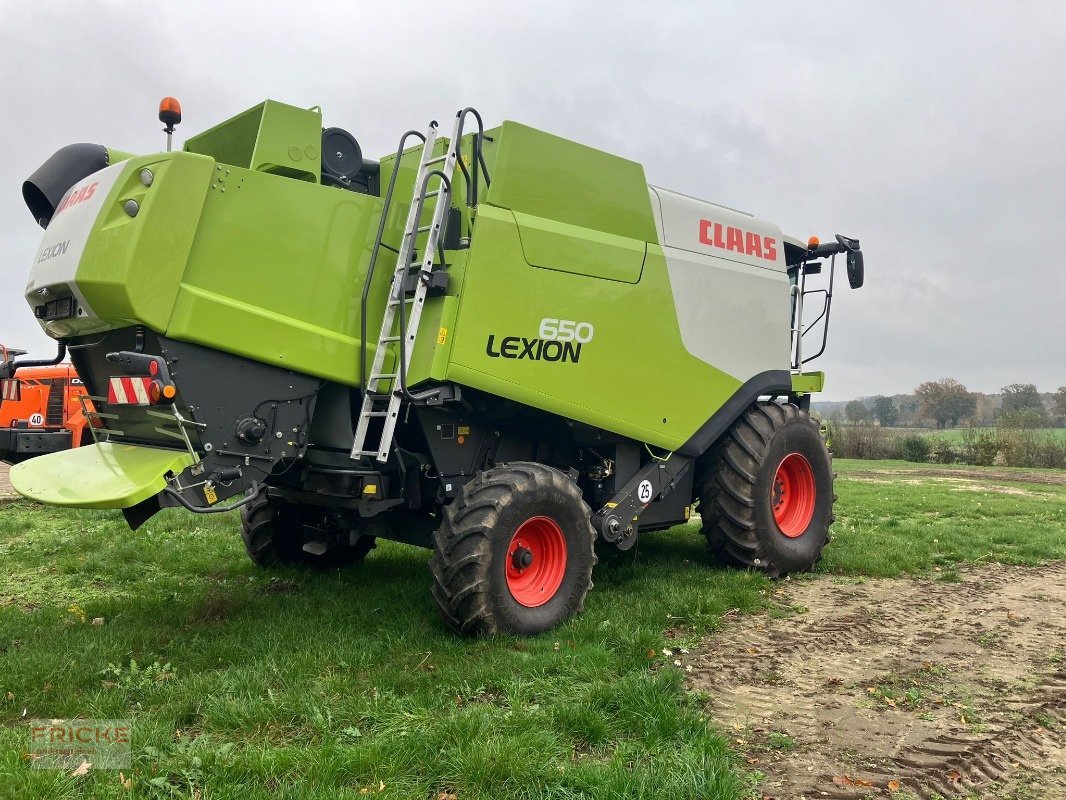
(984, 661)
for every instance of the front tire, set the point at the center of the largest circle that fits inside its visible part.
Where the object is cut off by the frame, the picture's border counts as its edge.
(767, 497)
(514, 553)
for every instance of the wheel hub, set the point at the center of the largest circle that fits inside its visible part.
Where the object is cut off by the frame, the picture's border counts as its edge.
(793, 495)
(536, 561)
(521, 558)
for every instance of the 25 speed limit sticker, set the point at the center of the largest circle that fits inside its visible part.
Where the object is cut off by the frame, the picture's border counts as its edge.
(645, 492)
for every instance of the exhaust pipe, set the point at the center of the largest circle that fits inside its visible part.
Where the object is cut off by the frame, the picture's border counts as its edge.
(7, 368)
(44, 189)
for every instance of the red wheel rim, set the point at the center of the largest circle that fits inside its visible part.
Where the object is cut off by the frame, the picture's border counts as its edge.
(536, 561)
(793, 495)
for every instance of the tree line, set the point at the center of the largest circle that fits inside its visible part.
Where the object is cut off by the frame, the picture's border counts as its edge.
(947, 403)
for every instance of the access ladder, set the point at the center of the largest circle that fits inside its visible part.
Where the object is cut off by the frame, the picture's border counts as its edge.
(403, 309)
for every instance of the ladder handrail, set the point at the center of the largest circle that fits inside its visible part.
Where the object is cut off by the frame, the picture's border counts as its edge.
(400, 325)
(403, 263)
(479, 156)
(377, 248)
(422, 272)
(825, 312)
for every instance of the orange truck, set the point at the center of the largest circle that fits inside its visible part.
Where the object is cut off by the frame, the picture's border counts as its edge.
(40, 410)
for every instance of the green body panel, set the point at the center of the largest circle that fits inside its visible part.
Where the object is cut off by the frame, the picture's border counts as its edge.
(547, 176)
(131, 267)
(808, 382)
(568, 248)
(276, 273)
(241, 258)
(100, 476)
(272, 137)
(114, 156)
(631, 349)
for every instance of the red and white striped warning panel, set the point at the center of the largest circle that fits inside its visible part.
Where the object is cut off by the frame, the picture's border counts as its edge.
(9, 389)
(129, 391)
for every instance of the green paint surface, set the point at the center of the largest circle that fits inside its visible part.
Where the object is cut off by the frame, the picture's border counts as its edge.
(634, 377)
(546, 176)
(236, 255)
(808, 382)
(104, 475)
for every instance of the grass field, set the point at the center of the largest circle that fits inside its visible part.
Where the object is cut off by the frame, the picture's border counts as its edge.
(955, 435)
(246, 684)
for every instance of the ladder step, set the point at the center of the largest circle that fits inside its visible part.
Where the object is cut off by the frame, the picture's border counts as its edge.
(413, 280)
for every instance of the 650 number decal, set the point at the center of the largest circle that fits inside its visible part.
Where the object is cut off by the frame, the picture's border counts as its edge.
(566, 330)
(559, 340)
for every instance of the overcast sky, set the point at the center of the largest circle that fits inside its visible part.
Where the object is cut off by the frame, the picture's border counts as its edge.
(933, 132)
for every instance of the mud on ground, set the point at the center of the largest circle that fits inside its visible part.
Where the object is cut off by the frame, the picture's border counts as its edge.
(6, 492)
(986, 477)
(899, 688)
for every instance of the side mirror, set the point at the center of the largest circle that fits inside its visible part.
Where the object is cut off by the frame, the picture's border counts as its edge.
(855, 270)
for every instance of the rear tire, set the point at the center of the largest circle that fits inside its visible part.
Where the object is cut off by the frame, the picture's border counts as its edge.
(514, 553)
(273, 533)
(767, 496)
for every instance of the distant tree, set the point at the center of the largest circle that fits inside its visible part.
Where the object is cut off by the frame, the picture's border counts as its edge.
(855, 411)
(1023, 418)
(1059, 409)
(885, 410)
(1019, 396)
(945, 401)
(987, 406)
(908, 410)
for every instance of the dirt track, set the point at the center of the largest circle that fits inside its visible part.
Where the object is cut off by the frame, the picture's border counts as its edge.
(983, 475)
(6, 492)
(949, 689)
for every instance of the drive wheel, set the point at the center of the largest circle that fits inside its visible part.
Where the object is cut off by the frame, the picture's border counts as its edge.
(274, 534)
(514, 553)
(767, 496)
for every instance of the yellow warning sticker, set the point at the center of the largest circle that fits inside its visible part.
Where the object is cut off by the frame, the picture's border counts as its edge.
(442, 336)
(209, 493)
(370, 488)
(464, 430)
(610, 505)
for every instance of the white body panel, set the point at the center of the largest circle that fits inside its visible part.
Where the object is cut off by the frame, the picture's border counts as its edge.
(731, 291)
(57, 259)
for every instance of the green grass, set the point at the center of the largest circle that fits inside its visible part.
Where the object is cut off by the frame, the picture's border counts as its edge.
(887, 526)
(954, 435)
(297, 684)
(328, 684)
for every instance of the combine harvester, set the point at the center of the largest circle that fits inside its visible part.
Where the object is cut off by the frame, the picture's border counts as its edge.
(500, 345)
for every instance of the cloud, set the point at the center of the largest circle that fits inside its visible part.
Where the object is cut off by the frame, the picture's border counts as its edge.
(930, 131)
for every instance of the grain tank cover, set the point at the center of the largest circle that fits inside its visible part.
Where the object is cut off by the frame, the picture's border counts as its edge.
(271, 137)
